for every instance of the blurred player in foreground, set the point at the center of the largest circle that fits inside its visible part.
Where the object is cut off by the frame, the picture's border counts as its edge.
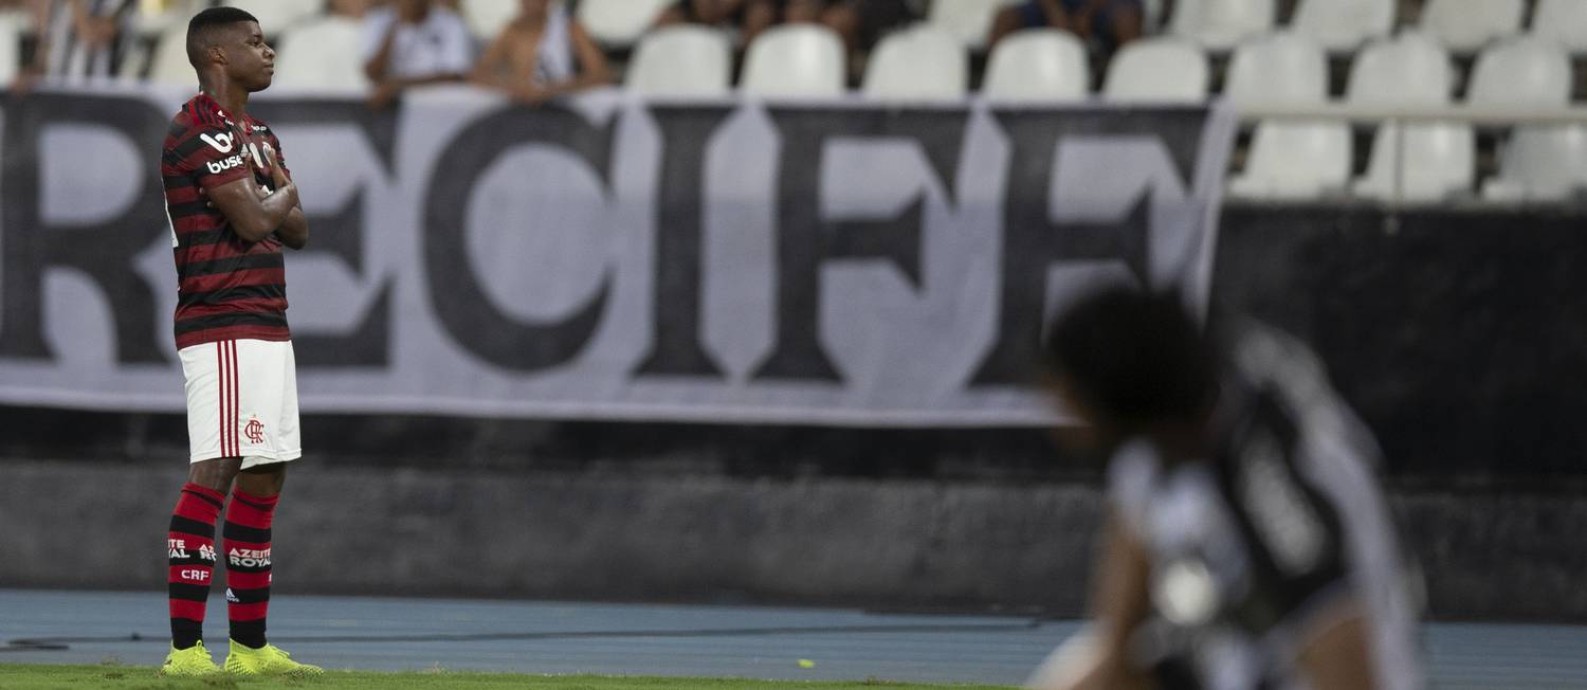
(1247, 544)
(233, 206)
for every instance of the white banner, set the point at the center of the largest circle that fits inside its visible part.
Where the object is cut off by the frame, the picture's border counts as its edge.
(613, 258)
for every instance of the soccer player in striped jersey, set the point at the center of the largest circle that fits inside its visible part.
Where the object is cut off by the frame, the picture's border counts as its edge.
(233, 206)
(1247, 545)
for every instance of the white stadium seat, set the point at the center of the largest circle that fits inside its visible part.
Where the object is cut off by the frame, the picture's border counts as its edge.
(276, 16)
(486, 18)
(1433, 160)
(795, 60)
(1295, 159)
(1465, 26)
(1541, 163)
(1411, 68)
(1165, 69)
(1038, 65)
(1220, 24)
(1288, 159)
(1523, 72)
(1342, 25)
(969, 20)
(619, 23)
(683, 60)
(1282, 68)
(921, 63)
(1562, 21)
(323, 55)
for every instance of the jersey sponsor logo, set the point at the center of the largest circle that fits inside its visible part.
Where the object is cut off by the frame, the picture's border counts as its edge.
(249, 558)
(220, 166)
(258, 160)
(206, 552)
(177, 548)
(223, 142)
(254, 430)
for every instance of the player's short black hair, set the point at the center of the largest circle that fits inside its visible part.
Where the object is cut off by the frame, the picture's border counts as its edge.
(201, 29)
(1134, 357)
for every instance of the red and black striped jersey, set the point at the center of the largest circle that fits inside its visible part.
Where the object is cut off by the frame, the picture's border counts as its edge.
(228, 287)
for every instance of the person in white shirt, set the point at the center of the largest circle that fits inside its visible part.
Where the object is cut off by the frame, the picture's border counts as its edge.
(542, 54)
(411, 43)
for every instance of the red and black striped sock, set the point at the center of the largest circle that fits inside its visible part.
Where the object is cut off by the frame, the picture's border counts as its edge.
(190, 549)
(247, 543)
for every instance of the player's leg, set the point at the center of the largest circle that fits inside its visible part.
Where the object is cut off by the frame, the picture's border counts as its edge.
(268, 424)
(190, 542)
(246, 544)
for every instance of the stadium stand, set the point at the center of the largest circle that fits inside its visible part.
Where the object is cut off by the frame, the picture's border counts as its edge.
(1221, 24)
(1038, 65)
(168, 63)
(275, 16)
(1562, 21)
(325, 54)
(1197, 55)
(1522, 71)
(1540, 162)
(618, 23)
(1465, 26)
(1423, 162)
(1163, 69)
(921, 63)
(969, 20)
(1288, 159)
(1343, 25)
(795, 61)
(682, 60)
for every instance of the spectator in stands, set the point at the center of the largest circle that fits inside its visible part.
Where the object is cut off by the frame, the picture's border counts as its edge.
(1103, 24)
(748, 17)
(78, 39)
(862, 23)
(542, 54)
(411, 43)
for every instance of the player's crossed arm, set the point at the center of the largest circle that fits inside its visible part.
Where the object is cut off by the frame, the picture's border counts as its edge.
(294, 232)
(255, 216)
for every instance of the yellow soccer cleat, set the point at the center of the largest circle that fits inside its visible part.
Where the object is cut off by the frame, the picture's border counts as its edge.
(193, 661)
(268, 660)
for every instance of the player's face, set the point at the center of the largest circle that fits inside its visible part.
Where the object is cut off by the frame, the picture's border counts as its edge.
(251, 61)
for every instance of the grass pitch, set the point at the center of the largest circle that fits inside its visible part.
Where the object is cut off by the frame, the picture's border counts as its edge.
(33, 677)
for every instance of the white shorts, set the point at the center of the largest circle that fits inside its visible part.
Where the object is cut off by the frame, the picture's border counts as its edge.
(242, 401)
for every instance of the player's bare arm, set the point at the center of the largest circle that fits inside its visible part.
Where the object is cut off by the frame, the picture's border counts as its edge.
(253, 217)
(294, 232)
(1119, 602)
(1337, 656)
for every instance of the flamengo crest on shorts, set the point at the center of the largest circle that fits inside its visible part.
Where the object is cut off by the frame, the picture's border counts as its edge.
(242, 401)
